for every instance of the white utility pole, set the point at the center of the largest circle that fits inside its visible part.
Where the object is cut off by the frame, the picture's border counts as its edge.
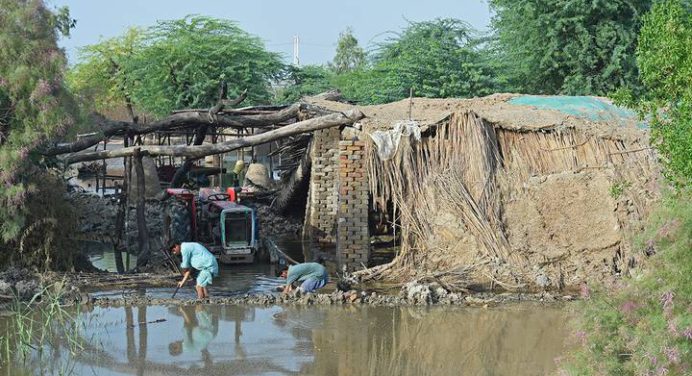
(296, 50)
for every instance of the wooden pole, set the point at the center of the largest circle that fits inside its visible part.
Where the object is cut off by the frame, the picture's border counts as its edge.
(143, 242)
(125, 201)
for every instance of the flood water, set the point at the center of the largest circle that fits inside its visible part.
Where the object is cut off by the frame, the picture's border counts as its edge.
(316, 340)
(523, 339)
(232, 280)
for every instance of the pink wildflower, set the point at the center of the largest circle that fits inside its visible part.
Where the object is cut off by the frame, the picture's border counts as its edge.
(18, 198)
(672, 354)
(687, 333)
(53, 55)
(43, 88)
(667, 303)
(672, 328)
(584, 291)
(668, 228)
(581, 336)
(23, 153)
(628, 307)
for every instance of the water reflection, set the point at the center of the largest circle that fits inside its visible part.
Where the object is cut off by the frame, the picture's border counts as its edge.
(235, 340)
(201, 325)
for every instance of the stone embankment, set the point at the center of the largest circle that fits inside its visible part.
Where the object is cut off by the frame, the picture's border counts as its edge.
(74, 288)
(412, 294)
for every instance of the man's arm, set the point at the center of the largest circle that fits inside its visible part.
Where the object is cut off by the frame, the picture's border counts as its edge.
(291, 277)
(185, 256)
(288, 288)
(186, 275)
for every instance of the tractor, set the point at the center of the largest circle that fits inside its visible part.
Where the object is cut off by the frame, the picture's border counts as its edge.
(216, 220)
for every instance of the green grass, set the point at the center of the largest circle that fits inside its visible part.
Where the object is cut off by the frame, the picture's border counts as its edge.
(36, 327)
(617, 189)
(643, 325)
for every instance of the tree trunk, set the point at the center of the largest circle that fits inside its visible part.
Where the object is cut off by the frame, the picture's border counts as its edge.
(180, 173)
(178, 120)
(201, 151)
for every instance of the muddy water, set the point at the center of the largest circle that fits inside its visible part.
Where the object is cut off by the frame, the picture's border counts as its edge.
(238, 280)
(233, 280)
(242, 340)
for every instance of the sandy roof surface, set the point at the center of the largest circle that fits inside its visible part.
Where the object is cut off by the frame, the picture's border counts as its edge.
(494, 108)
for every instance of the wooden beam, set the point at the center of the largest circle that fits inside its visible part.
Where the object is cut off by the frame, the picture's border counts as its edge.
(310, 125)
(179, 120)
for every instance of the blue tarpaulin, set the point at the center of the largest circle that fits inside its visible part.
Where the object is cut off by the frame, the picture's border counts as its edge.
(591, 108)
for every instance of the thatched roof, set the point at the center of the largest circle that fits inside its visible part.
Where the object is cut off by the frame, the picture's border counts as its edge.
(511, 188)
(596, 115)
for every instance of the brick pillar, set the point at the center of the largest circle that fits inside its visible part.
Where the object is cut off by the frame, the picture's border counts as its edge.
(320, 216)
(353, 240)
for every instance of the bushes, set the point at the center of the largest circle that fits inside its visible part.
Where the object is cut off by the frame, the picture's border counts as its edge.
(644, 326)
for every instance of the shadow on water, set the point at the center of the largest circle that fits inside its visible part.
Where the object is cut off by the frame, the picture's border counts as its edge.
(242, 340)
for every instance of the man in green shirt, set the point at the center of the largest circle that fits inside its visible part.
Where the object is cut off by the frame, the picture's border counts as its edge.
(195, 255)
(312, 275)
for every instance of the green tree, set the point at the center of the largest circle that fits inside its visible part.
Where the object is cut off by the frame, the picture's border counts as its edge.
(437, 59)
(573, 47)
(304, 81)
(349, 55)
(102, 78)
(664, 56)
(178, 64)
(34, 107)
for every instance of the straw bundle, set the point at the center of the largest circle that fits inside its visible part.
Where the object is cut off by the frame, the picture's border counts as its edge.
(450, 192)
(453, 171)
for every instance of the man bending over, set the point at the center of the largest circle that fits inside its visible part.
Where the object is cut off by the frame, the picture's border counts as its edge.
(312, 275)
(196, 256)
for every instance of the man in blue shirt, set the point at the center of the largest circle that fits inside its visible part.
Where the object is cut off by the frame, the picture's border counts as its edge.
(312, 274)
(196, 256)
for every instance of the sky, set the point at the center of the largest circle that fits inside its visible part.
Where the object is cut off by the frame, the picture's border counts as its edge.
(317, 23)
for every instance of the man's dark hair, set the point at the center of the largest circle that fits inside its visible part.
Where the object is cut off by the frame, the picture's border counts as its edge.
(172, 244)
(281, 269)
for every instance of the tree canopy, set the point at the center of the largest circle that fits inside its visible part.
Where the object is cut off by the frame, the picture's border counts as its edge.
(571, 47)
(349, 55)
(179, 64)
(664, 56)
(304, 81)
(439, 58)
(34, 107)
(103, 78)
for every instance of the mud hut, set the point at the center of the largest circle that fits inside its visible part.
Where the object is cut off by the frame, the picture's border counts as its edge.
(509, 190)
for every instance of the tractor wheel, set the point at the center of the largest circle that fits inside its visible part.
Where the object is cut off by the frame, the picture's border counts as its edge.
(177, 223)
